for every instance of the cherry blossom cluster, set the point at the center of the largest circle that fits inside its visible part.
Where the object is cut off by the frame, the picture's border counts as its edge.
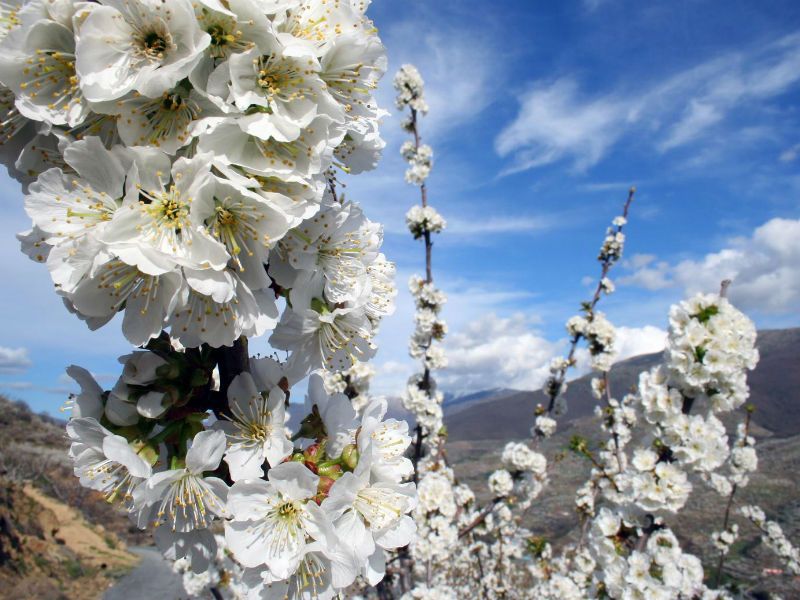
(410, 91)
(659, 439)
(180, 163)
(627, 546)
(353, 382)
(421, 396)
(331, 502)
(420, 220)
(176, 163)
(591, 326)
(424, 563)
(420, 162)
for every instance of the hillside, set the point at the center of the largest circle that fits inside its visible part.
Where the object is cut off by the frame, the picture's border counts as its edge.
(775, 386)
(52, 543)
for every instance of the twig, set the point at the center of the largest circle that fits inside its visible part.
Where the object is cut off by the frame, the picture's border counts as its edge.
(729, 505)
(216, 593)
(554, 387)
(481, 516)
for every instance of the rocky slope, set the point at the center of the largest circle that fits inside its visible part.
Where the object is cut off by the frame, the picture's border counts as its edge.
(52, 545)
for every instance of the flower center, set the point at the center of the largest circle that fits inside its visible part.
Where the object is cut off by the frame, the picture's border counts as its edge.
(167, 208)
(225, 217)
(154, 45)
(288, 510)
(280, 79)
(166, 118)
(225, 37)
(153, 42)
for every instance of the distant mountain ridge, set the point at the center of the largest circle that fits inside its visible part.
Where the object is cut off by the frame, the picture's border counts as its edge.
(508, 414)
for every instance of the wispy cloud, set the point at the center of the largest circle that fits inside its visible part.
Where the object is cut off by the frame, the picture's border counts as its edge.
(16, 385)
(14, 360)
(554, 122)
(790, 154)
(557, 121)
(456, 63)
(496, 225)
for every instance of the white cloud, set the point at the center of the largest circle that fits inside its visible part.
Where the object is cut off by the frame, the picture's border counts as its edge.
(634, 341)
(14, 360)
(557, 122)
(508, 352)
(468, 303)
(497, 352)
(647, 272)
(764, 267)
(698, 117)
(790, 154)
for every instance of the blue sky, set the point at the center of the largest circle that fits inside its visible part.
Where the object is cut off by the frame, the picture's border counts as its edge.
(542, 114)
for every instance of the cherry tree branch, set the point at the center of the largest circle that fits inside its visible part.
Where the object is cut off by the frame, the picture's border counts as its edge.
(557, 382)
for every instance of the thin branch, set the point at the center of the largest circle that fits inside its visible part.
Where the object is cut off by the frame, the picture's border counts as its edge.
(554, 388)
(729, 505)
(481, 516)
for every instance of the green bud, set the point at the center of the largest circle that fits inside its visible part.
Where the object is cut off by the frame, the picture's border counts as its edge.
(350, 456)
(330, 469)
(313, 453)
(168, 371)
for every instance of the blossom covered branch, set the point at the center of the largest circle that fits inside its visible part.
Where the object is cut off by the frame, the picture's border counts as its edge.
(179, 163)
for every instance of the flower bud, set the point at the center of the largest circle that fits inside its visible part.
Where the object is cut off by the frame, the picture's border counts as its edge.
(350, 456)
(332, 470)
(313, 453)
(325, 485)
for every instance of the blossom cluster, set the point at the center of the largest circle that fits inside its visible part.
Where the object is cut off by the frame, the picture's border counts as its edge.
(711, 345)
(635, 488)
(180, 163)
(176, 160)
(410, 90)
(439, 507)
(331, 502)
(420, 220)
(420, 161)
(353, 382)
(224, 574)
(591, 325)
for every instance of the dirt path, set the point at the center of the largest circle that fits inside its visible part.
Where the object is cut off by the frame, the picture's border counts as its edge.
(89, 542)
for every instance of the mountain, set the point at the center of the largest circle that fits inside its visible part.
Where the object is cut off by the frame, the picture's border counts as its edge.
(508, 414)
(479, 428)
